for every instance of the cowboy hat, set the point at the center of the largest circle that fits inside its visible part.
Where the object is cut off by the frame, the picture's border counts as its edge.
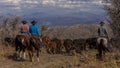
(33, 22)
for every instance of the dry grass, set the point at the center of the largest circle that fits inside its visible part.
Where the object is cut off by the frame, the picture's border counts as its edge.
(86, 60)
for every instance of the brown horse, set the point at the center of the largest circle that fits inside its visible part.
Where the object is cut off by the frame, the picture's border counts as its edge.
(35, 43)
(27, 43)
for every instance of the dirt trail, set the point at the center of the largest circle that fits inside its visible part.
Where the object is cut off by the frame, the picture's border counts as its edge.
(87, 60)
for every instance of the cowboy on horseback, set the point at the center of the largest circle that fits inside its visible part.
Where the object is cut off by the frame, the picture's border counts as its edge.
(102, 34)
(102, 40)
(34, 30)
(24, 29)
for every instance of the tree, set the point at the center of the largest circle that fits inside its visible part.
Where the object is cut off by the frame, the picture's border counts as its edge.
(113, 11)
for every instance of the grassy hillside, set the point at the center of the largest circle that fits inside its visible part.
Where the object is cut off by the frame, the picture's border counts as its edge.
(85, 60)
(75, 31)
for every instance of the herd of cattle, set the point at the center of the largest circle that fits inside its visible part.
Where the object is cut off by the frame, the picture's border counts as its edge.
(52, 46)
(59, 45)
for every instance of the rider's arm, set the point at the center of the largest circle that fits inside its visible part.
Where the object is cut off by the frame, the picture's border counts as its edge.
(106, 33)
(38, 32)
(98, 32)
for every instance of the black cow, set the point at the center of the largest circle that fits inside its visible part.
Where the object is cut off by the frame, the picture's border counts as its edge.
(91, 43)
(79, 44)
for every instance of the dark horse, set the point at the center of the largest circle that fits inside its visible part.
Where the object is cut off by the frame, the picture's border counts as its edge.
(27, 43)
(102, 49)
(21, 45)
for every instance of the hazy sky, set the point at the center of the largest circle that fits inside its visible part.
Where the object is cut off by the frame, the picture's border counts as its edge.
(45, 8)
(27, 6)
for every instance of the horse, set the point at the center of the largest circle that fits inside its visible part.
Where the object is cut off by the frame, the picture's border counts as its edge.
(27, 43)
(21, 45)
(102, 49)
(35, 43)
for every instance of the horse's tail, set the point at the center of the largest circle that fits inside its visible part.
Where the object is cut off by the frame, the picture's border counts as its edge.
(17, 43)
(103, 47)
(18, 40)
(101, 44)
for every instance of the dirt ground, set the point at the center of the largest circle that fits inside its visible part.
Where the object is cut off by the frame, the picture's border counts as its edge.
(86, 60)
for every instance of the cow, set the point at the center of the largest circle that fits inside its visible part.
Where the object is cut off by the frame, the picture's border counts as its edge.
(45, 41)
(68, 44)
(9, 41)
(79, 45)
(60, 45)
(91, 43)
(49, 44)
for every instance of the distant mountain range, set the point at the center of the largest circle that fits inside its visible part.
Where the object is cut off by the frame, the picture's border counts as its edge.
(55, 12)
(66, 19)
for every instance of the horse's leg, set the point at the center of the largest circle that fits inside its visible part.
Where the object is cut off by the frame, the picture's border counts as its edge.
(48, 50)
(24, 54)
(17, 51)
(38, 55)
(31, 56)
(99, 51)
(20, 54)
(52, 51)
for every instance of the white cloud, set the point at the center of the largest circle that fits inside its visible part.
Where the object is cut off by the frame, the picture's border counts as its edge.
(57, 3)
(27, 6)
(13, 1)
(32, 2)
(47, 2)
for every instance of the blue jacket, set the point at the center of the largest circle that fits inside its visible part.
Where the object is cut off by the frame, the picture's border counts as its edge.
(34, 30)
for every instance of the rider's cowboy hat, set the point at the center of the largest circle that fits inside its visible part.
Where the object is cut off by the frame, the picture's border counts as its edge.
(24, 22)
(33, 22)
(102, 22)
